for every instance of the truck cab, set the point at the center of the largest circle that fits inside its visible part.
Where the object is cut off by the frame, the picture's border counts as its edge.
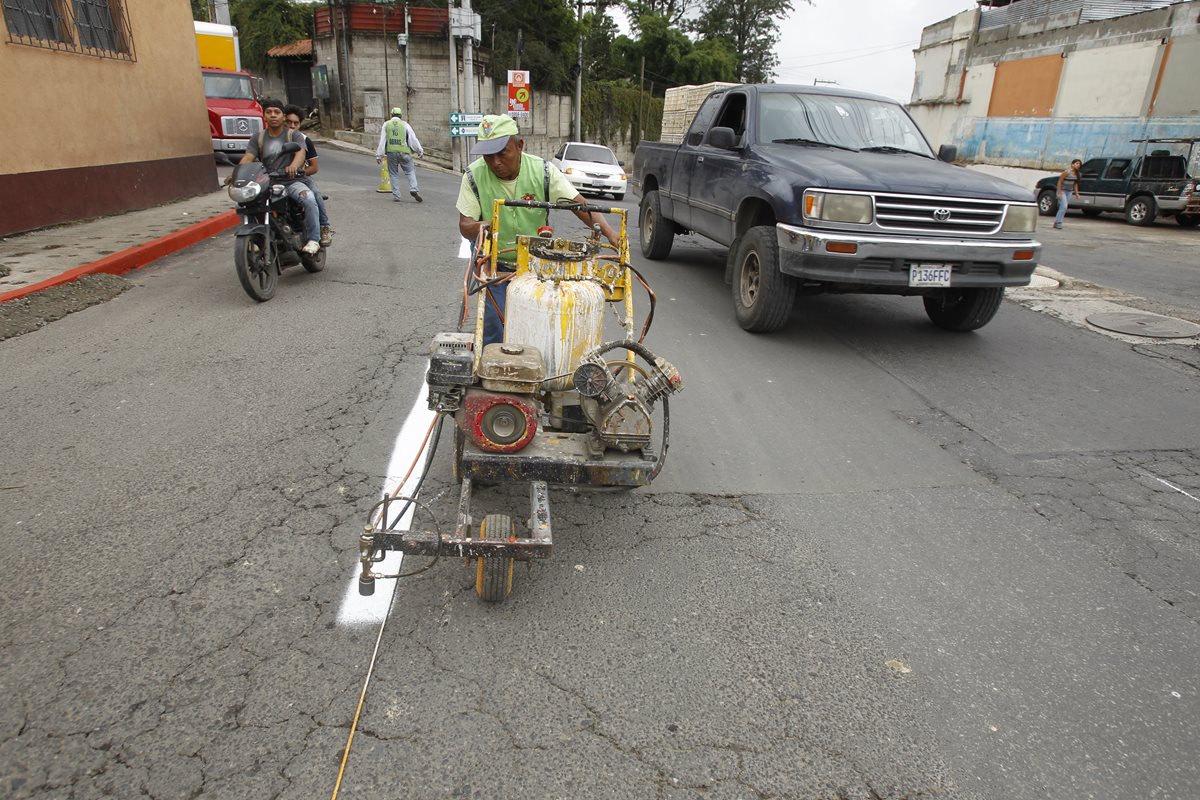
(234, 114)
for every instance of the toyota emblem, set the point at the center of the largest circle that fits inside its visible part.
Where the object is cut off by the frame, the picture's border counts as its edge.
(941, 214)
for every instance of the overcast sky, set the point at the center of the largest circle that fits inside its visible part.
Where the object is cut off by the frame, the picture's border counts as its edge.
(860, 44)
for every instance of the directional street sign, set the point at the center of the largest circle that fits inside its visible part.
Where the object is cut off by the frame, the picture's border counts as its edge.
(465, 119)
(464, 130)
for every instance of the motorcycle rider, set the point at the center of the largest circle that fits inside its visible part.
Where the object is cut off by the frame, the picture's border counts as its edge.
(266, 147)
(506, 171)
(292, 115)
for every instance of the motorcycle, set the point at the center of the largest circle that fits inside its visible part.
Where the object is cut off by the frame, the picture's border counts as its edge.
(271, 236)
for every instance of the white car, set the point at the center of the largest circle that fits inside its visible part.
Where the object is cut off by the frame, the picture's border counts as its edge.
(592, 169)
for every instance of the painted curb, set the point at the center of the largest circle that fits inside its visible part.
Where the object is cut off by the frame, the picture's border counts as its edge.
(136, 256)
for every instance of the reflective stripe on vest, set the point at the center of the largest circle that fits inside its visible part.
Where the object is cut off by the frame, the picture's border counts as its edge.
(397, 137)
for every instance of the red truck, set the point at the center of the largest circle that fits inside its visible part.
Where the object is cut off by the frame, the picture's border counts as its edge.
(234, 114)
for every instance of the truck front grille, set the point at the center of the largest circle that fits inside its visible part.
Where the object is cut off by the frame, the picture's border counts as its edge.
(241, 126)
(904, 212)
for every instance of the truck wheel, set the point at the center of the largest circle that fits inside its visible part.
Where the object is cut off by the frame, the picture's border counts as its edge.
(1047, 203)
(657, 232)
(1188, 220)
(963, 309)
(762, 295)
(1141, 211)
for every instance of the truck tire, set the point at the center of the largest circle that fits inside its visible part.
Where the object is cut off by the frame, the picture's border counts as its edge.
(1047, 203)
(1141, 210)
(656, 231)
(762, 295)
(963, 310)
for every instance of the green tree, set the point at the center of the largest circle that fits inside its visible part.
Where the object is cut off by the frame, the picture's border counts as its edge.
(548, 37)
(263, 24)
(671, 58)
(200, 10)
(750, 28)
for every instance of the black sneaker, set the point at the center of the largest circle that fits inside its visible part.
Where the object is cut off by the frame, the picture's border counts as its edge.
(416, 195)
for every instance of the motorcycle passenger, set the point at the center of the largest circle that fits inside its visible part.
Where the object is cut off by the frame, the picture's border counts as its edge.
(266, 147)
(292, 115)
(506, 171)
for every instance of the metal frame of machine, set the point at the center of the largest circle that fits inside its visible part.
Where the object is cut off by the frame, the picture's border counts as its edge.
(544, 407)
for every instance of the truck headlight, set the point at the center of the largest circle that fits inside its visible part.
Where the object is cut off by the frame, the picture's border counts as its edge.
(1020, 219)
(246, 192)
(830, 207)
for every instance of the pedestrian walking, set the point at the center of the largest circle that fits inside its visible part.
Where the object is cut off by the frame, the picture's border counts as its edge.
(1066, 187)
(398, 142)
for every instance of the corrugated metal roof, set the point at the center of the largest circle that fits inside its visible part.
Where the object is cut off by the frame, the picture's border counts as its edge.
(300, 48)
(1088, 10)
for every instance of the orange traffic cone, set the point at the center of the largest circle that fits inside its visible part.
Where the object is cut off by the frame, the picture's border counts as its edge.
(385, 183)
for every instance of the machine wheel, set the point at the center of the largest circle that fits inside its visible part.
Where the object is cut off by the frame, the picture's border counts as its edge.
(313, 263)
(494, 575)
(618, 195)
(258, 277)
(963, 309)
(1188, 220)
(762, 295)
(1047, 203)
(1141, 211)
(657, 232)
(1092, 212)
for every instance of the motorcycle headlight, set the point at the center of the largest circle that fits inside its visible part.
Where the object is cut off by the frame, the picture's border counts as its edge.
(246, 192)
(1020, 219)
(831, 207)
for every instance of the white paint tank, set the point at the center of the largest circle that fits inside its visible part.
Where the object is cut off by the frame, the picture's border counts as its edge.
(562, 319)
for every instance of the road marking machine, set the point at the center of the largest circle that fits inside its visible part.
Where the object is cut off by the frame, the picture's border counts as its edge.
(552, 404)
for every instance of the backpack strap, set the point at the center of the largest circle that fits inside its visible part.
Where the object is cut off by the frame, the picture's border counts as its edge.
(475, 188)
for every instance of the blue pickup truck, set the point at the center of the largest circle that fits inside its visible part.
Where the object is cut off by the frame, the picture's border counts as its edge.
(826, 190)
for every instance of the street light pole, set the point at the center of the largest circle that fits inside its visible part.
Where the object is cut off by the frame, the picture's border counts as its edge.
(579, 76)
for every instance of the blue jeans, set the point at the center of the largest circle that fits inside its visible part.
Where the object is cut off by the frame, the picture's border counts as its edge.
(322, 216)
(397, 162)
(1064, 198)
(306, 197)
(493, 327)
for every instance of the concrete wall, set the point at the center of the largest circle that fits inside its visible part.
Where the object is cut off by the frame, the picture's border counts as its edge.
(1179, 89)
(1114, 80)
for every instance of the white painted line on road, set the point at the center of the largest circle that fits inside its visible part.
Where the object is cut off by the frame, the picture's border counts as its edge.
(359, 610)
(1171, 485)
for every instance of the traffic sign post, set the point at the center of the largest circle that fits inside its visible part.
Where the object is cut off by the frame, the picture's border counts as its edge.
(460, 118)
(464, 130)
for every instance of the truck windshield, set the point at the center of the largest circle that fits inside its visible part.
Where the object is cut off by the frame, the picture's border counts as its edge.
(851, 122)
(227, 87)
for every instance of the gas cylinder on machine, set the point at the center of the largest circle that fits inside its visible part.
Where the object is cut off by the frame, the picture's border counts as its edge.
(562, 318)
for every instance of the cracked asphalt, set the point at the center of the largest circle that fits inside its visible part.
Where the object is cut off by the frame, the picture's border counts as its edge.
(882, 562)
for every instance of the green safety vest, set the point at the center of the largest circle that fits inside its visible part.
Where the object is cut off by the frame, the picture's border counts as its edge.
(533, 181)
(397, 137)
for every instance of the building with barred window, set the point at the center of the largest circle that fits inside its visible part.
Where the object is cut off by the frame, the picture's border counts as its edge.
(103, 110)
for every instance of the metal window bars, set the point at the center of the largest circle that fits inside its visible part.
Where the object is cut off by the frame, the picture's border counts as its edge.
(97, 28)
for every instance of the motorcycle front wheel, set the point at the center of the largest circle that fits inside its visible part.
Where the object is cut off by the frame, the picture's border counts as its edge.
(258, 276)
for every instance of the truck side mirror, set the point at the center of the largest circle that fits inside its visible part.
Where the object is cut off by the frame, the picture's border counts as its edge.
(947, 153)
(723, 138)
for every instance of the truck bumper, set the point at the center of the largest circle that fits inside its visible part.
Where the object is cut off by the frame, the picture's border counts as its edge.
(881, 260)
(229, 145)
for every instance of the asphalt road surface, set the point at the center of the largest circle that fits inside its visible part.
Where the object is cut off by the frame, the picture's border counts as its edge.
(883, 561)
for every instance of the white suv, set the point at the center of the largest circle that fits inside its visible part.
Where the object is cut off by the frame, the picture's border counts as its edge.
(592, 168)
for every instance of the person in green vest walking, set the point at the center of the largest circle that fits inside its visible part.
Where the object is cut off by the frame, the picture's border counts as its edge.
(398, 142)
(505, 171)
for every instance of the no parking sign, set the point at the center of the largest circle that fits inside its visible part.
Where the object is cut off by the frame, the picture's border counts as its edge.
(520, 93)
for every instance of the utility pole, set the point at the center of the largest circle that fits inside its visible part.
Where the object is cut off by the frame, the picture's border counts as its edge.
(454, 146)
(641, 99)
(387, 84)
(468, 63)
(579, 76)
